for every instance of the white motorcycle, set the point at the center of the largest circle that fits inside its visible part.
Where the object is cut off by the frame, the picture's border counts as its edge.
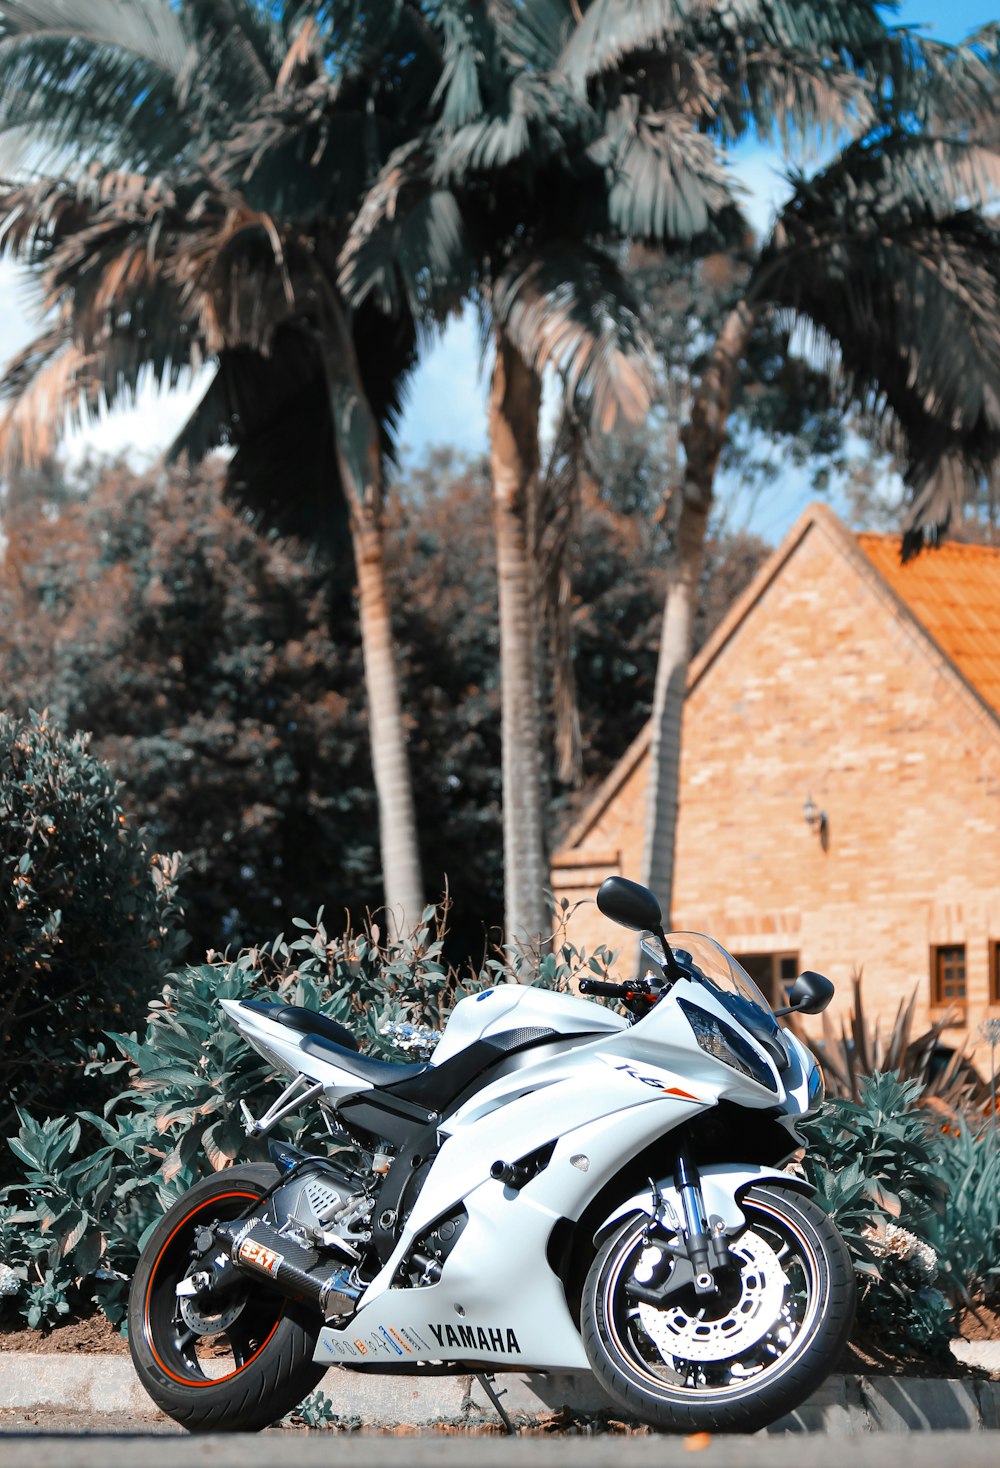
(558, 1188)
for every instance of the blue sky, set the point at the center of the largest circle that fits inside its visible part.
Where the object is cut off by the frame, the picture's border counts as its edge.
(447, 397)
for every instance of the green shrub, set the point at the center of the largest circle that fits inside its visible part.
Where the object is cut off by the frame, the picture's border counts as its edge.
(72, 1227)
(966, 1235)
(874, 1164)
(87, 918)
(919, 1207)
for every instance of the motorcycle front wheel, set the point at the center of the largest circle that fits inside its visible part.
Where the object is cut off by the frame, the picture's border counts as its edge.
(736, 1360)
(235, 1364)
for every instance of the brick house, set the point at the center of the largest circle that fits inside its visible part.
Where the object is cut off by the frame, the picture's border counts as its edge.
(840, 779)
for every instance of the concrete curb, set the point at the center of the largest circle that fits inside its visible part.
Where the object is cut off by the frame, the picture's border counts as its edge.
(845, 1406)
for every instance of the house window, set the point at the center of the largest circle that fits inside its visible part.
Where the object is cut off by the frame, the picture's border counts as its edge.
(994, 972)
(948, 975)
(773, 973)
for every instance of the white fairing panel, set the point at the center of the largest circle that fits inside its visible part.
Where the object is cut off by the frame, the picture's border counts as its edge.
(518, 1006)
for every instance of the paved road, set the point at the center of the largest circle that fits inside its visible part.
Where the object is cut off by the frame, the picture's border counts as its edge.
(275, 1449)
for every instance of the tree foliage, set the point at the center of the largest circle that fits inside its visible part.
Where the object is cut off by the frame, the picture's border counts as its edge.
(88, 923)
(219, 670)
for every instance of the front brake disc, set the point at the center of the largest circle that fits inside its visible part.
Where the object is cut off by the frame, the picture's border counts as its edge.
(676, 1334)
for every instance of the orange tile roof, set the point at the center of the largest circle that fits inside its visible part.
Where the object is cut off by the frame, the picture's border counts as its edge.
(955, 592)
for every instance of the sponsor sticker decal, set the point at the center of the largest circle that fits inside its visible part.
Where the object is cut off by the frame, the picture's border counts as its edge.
(656, 1082)
(260, 1256)
(389, 1340)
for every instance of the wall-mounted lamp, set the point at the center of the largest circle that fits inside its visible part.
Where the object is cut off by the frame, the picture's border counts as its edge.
(816, 819)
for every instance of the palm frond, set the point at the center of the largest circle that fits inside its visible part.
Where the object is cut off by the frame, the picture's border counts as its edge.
(778, 93)
(941, 486)
(129, 257)
(41, 218)
(914, 316)
(947, 88)
(296, 157)
(48, 381)
(84, 76)
(467, 45)
(273, 411)
(238, 274)
(243, 36)
(530, 118)
(900, 176)
(482, 146)
(78, 103)
(909, 294)
(612, 30)
(571, 309)
(666, 179)
(407, 244)
(153, 30)
(136, 84)
(534, 34)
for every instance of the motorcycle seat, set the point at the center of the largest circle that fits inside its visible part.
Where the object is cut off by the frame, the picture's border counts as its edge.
(304, 1021)
(432, 1086)
(365, 1067)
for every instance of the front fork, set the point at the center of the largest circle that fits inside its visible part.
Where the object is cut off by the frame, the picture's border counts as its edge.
(702, 1247)
(704, 1239)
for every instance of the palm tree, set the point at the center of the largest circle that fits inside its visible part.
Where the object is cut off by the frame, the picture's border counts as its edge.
(526, 186)
(882, 254)
(200, 164)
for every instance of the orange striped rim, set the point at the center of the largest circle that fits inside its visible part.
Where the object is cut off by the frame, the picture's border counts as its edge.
(186, 1380)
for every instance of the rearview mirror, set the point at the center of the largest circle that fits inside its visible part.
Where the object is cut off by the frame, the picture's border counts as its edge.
(810, 994)
(629, 904)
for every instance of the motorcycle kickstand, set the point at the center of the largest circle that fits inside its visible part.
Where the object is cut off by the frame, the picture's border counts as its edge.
(486, 1382)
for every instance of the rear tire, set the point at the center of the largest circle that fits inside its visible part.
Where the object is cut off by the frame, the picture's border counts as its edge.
(773, 1333)
(245, 1367)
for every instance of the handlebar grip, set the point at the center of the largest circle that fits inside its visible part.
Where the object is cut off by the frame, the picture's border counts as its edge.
(598, 986)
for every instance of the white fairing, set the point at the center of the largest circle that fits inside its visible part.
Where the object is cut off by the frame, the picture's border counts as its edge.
(494, 1011)
(588, 1109)
(515, 1006)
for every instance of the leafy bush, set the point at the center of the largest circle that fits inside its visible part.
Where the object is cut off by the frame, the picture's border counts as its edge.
(72, 1228)
(918, 1205)
(966, 1235)
(87, 917)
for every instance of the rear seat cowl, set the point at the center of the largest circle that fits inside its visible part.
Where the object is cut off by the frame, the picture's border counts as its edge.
(303, 1021)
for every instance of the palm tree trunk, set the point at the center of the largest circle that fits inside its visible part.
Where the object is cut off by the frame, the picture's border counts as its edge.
(704, 438)
(360, 462)
(515, 399)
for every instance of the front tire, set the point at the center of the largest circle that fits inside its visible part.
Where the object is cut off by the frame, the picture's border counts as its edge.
(239, 1368)
(740, 1359)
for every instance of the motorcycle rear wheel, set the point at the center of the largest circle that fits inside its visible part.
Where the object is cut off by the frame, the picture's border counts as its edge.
(235, 1365)
(736, 1361)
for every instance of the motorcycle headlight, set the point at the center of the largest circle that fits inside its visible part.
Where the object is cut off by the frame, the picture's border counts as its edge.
(817, 1087)
(723, 1043)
